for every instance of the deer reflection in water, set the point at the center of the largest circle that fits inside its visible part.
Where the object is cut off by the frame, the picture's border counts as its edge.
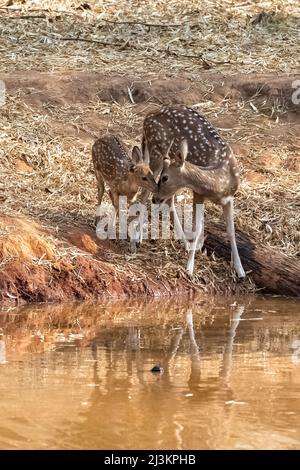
(86, 375)
(152, 403)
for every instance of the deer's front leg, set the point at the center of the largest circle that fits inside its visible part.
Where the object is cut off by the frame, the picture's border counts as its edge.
(177, 224)
(143, 200)
(115, 201)
(198, 233)
(198, 211)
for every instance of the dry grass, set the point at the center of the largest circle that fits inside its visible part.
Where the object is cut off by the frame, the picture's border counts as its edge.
(24, 241)
(45, 164)
(225, 34)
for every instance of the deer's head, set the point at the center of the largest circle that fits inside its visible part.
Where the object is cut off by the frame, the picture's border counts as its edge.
(171, 179)
(140, 172)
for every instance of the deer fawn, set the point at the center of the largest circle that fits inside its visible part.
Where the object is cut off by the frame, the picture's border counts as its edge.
(197, 158)
(124, 175)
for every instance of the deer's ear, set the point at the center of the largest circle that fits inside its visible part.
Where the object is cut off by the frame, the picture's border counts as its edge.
(181, 154)
(136, 156)
(132, 168)
(166, 163)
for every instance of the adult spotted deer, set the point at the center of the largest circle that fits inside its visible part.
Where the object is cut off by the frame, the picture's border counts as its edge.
(183, 147)
(124, 175)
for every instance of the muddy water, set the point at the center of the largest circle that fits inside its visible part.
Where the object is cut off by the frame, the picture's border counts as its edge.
(78, 376)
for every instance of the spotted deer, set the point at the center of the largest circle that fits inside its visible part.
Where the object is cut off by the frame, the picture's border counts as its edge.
(183, 148)
(123, 174)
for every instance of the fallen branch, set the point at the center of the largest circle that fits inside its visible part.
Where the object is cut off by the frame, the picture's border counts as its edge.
(200, 56)
(271, 270)
(93, 41)
(206, 65)
(126, 44)
(47, 10)
(25, 17)
(148, 25)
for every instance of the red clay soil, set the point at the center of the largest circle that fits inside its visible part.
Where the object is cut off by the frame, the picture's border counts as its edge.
(33, 270)
(83, 279)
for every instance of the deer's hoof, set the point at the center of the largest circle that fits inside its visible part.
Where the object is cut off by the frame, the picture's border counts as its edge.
(132, 247)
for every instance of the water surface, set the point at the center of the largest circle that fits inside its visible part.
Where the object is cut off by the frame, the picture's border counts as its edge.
(78, 376)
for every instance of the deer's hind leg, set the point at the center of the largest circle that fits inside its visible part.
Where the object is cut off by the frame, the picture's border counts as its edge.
(227, 204)
(100, 190)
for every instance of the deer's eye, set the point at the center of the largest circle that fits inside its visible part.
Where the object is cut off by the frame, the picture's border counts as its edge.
(165, 178)
(144, 178)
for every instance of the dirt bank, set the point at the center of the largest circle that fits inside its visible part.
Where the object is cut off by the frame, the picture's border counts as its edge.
(39, 265)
